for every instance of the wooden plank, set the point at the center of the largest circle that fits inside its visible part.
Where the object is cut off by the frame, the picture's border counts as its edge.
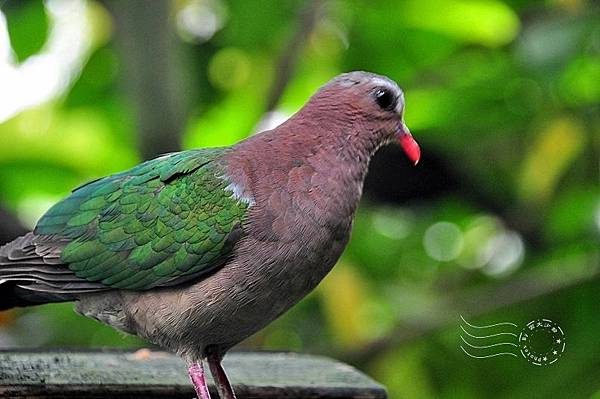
(114, 374)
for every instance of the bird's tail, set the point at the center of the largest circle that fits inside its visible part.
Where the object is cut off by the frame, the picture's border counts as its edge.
(24, 272)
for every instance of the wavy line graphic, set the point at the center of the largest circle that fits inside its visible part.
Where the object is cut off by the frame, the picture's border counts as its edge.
(487, 336)
(482, 341)
(481, 345)
(487, 346)
(487, 356)
(490, 326)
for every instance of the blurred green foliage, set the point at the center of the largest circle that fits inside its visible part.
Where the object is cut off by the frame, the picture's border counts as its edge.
(504, 95)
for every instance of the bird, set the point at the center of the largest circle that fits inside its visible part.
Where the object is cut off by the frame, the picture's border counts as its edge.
(197, 250)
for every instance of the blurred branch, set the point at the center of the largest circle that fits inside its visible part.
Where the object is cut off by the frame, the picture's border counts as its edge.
(10, 226)
(307, 20)
(147, 44)
(478, 301)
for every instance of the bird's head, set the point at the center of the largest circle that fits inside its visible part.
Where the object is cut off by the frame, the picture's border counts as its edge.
(373, 103)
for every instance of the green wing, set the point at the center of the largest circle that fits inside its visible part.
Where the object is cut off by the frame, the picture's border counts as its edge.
(160, 223)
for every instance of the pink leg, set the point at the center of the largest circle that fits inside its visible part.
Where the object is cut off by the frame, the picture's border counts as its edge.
(222, 382)
(196, 372)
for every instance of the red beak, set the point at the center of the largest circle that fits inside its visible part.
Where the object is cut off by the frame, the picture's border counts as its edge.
(408, 144)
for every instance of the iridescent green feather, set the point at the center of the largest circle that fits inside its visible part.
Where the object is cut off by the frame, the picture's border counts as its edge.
(159, 223)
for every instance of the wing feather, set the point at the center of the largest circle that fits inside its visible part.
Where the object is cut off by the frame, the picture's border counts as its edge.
(160, 223)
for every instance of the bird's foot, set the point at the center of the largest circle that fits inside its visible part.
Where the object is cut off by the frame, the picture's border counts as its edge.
(196, 372)
(221, 381)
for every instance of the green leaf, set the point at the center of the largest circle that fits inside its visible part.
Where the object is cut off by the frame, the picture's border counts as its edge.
(27, 27)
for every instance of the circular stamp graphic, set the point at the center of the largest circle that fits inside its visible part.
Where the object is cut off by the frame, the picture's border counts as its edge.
(542, 342)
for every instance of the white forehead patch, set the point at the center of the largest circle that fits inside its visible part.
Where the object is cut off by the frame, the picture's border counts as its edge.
(384, 83)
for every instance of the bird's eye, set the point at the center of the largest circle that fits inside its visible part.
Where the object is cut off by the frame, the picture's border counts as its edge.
(385, 99)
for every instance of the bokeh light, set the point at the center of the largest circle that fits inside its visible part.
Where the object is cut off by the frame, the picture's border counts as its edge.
(443, 241)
